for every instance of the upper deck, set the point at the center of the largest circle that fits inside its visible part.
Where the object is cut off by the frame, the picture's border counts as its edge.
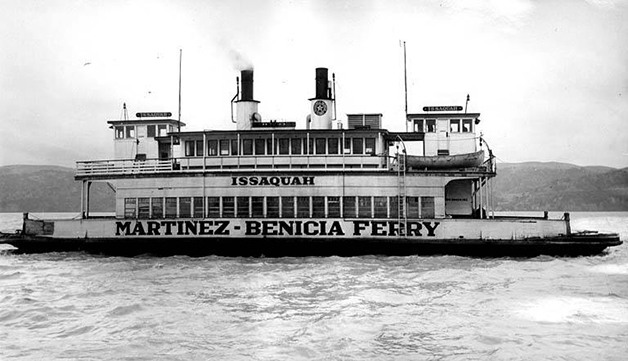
(154, 145)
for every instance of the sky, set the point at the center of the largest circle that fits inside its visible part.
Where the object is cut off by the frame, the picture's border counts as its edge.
(550, 78)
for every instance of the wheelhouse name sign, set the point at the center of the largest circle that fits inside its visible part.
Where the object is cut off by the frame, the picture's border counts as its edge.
(443, 108)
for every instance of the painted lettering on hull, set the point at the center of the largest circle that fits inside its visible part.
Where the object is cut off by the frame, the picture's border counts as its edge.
(171, 228)
(278, 228)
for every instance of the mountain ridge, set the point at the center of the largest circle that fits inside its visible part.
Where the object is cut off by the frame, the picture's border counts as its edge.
(526, 186)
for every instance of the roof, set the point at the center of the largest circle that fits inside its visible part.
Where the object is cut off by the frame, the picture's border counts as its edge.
(257, 132)
(434, 115)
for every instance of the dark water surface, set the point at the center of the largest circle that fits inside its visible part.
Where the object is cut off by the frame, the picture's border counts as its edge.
(82, 307)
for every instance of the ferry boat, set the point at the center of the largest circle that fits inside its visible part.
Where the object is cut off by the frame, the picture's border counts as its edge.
(333, 188)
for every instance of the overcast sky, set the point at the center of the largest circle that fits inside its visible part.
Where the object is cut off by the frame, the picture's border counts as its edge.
(549, 77)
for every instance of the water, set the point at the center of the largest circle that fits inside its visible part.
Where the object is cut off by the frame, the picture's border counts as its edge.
(82, 307)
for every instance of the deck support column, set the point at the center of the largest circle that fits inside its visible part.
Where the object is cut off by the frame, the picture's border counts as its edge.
(486, 180)
(480, 199)
(88, 186)
(82, 199)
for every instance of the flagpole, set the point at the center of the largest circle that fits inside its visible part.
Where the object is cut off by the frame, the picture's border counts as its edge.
(179, 120)
(405, 83)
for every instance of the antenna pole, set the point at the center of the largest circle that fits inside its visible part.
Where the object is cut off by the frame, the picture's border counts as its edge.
(180, 59)
(466, 103)
(405, 83)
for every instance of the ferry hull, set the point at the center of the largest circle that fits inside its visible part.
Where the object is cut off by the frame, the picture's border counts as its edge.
(309, 237)
(571, 245)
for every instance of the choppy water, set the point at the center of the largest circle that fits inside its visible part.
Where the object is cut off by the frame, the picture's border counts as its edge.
(76, 306)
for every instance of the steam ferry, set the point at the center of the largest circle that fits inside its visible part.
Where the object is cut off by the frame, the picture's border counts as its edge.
(333, 188)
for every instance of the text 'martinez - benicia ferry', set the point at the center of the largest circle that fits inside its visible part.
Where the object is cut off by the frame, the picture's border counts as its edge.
(267, 188)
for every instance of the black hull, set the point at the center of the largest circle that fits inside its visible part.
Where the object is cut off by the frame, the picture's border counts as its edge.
(574, 245)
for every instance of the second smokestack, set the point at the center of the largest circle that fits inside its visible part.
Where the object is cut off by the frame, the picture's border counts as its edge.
(247, 85)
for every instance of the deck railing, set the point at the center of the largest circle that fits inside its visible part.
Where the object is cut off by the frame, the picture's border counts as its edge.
(230, 163)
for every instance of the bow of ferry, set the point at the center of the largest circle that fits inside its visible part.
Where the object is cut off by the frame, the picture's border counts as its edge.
(267, 188)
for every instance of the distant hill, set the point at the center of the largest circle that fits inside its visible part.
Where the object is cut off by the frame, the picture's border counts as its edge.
(33, 188)
(560, 187)
(532, 186)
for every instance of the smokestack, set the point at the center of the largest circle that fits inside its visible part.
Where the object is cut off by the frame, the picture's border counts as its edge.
(247, 85)
(322, 84)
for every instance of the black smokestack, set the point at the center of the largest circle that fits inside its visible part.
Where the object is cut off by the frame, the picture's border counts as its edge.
(247, 85)
(322, 84)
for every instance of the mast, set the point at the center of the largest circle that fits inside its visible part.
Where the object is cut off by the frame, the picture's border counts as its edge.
(179, 119)
(405, 83)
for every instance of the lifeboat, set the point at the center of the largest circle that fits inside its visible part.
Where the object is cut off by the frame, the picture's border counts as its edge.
(445, 161)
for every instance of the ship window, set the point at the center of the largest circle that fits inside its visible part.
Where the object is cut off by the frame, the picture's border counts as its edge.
(418, 125)
(272, 207)
(332, 145)
(358, 146)
(427, 207)
(130, 131)
(310, 148)
(242, 207)
(185, 207)
(269, 146)
(347, 145)
(466, 125)
(199, 148)
(412, 204)
(260, 147)
(189, 148)
(395, 209)
(303, 207)
(318, 207)
(197, 210)
(213, 207)
(430, 124)
(224, 147)
(284, 146)
(287, 207)
(119, 132)
(227, 207)
(295, 144)
(333, 207)
(364, 207)
(150, 131)
(247, 146)
(234, 147)
(212, 147)
(161, 130)
(257, 207)
(157, 207)
(321, 145)
(348, 207)
(381, 207)
(171, 207)
(454, 125)
(370, 145)
(143, 208)
(129, 207)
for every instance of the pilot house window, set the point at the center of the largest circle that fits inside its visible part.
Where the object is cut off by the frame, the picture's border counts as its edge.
(430, 124)
(455, 125)
(119, 132)
(466, 125)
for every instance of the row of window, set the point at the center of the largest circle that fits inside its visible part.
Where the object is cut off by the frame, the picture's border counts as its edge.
(281, 146)
(278, 207)
(150, 131)
(455, 125)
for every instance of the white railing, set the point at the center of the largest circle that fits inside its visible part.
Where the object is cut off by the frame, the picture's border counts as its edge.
(229, 163)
